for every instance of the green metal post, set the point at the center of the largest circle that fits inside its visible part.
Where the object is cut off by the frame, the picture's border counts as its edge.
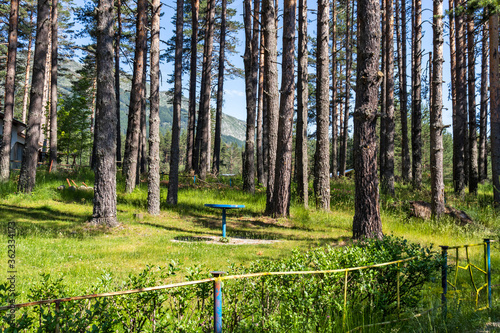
(488, 262)
(444, 276)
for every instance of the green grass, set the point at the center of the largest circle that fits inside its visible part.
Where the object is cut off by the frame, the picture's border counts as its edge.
(54, 237)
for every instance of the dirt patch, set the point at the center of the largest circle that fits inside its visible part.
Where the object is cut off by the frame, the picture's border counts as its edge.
(226, 241)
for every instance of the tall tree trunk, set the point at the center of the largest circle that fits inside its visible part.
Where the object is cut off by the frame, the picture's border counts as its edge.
(471, 64)
(53, 89)
(302, 100)
(261, 177)
(142, 158)
(403, 93)
(436, 128)
(117, 81)
(367, 222)
(204, 112)
(104, 212)
(334, 165)
(136, 95)
(154, 114)
(416, 99)
(10, 80)
(382, 102)
(271, 74)
(322, 158)
(453, 73)
(220, 90)
(460, 121)
(483, 113)
(250, 61)
(281, 206)
(388, 172)
(173, 184)
(343, 154)
(27, 175)
(495, 108)
(195, 8)
(28, 71)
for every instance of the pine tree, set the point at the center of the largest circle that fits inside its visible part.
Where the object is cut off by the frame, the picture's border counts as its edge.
(416, 99)
(322, 158)
(436, 125)
(366, 222)
(282, 195)
(471, 77)
(136, 96)
(9, 92)
(104, 212)
(271, 79)
(53, 88)
(27, 175)
(176, 122)
(495, 108)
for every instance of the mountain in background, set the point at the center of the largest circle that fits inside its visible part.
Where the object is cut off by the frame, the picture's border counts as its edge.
(233, 129)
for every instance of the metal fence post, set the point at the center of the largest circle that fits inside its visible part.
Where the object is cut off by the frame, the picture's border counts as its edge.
(444, 275)
(223, 222)
(57, 318)
(488, 266)
(217, 301)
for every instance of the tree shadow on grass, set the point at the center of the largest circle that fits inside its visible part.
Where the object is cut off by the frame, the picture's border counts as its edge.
(214, 229)
(46, 222)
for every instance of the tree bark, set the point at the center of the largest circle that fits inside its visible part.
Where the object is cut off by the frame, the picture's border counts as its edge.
(416, 112)
(322, 158)
(343, 154)
(302, 100)
(173, 178)
(453, 73)
(483, 113)
(250, 61)
(104, 212)
(10, 82)
(495, 108)
(271, 73)
(436, 158)
(195, 8)
(154, 114)
(281, 206)
(117, 81)
(460, 121)
(261, 177)
(142, 157)
(471, 64)
(53, 88)
(367, 222)
(403, 92)
(334, 164)
(27, 175)
(204, 111)
(28, 71)
(220, 90)
(388, 172)
(134, 117)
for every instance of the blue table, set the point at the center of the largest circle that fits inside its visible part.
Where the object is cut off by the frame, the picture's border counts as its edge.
(224, 207)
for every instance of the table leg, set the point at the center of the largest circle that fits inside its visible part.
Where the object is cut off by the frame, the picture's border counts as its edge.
(223, 222)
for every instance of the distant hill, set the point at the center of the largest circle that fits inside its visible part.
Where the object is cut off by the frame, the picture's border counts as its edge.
(233, 129)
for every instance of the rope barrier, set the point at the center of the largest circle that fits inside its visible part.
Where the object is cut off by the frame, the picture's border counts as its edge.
(188, 283)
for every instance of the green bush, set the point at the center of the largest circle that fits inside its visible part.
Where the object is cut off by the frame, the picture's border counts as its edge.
(284, 303)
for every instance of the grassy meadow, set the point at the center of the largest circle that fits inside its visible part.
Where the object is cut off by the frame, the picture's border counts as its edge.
(53, 235)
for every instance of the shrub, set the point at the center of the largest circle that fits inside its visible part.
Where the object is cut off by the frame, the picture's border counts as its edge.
(313, 302)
